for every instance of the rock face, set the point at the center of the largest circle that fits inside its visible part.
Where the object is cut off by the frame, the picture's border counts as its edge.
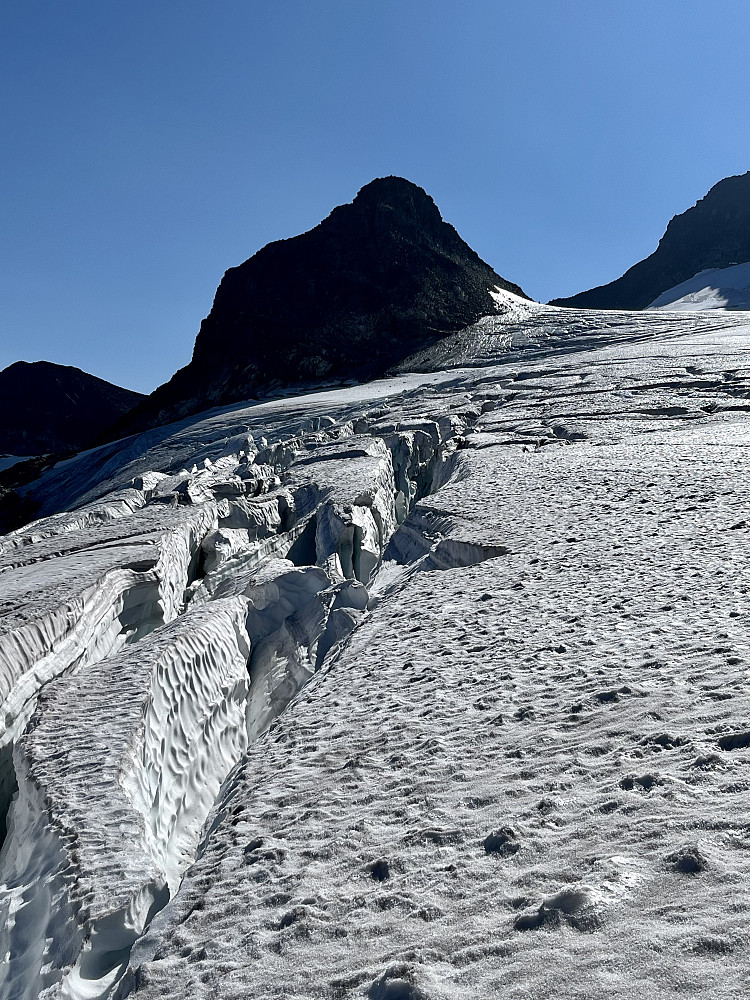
(56, 408)
(714, 233)
(377, 280)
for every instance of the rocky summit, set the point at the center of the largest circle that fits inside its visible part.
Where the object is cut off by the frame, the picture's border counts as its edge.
(713, 234)
(377, 280)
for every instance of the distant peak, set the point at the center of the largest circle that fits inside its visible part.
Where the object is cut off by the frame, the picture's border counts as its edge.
(712, 235)
(50, 369)
(392, 187)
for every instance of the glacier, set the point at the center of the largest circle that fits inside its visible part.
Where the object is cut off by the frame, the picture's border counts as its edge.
(429, 687)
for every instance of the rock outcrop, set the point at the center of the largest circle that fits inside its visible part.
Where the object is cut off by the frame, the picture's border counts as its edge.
(377, 280)
(714, 233)
(715, 288)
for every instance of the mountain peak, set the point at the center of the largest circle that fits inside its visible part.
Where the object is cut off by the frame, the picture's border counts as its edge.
(713, 234)
(46, 407)
(396, 194)
(380, 278)
(384, 207)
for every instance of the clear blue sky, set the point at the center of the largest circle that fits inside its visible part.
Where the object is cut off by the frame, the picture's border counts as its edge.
(150, 144)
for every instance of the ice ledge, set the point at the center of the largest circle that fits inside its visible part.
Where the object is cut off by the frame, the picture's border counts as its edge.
(119, 767)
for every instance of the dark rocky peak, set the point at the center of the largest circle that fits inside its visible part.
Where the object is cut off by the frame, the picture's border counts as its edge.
(391, 203)
(718, 225)
(46, 407)
(377, 280)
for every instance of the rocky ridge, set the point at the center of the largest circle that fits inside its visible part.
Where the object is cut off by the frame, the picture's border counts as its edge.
(714, 233)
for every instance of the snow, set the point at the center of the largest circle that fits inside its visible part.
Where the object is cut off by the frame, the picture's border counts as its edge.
(714, 288)
(65, 602)
(122, 809)
(564, 673)
(434, 687)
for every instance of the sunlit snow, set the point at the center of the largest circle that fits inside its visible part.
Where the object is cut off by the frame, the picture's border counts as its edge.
(716, 288)
(428, 689)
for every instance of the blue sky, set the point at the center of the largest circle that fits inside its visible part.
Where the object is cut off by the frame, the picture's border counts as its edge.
(148, 146)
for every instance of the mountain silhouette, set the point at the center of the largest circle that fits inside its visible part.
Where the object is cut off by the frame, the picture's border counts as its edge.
(713, 233)
(46, 407)
(375, 281)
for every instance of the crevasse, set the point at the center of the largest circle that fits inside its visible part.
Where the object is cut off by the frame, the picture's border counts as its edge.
(168, 665)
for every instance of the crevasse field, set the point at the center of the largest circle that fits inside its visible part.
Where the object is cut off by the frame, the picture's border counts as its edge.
(426, 689)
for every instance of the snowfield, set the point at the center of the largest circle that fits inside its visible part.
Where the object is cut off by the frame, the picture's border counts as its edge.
(424, 689)
(716, 288)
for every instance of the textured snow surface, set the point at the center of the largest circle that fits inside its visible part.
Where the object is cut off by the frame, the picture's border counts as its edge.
(432, 688)
(124, 794)
(716, 288)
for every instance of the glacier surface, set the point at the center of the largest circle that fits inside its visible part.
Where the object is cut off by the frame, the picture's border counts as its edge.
(432, 687)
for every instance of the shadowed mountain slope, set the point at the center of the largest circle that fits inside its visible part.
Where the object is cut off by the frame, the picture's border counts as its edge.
(377, 280)
(713, 233)
(46, 407)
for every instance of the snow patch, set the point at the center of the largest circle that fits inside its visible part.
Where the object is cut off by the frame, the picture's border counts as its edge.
(714, 288)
